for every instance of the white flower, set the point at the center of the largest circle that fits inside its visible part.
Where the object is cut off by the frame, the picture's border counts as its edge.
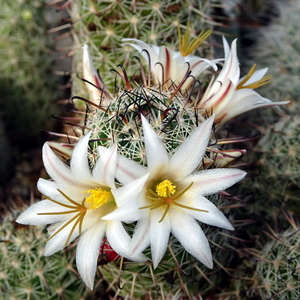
(229, 96)
(172, 200)
(93, 81)
(76, 200)
(168, 66)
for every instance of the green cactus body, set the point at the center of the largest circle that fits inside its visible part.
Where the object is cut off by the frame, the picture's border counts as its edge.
(103, 24)
(26, 274)
(28, 87)
(178, 276)
(279, 163)
(278, 47)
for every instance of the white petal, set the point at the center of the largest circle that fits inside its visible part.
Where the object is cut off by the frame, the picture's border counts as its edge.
(231, 69)
(56, 169)
(188, 156)
(147, 51)
(128, 170)
(160, 233)
(157, 156)
(165, 67)
(129, 212)
(30, 215)
(90, 75)
(208, 182)
(79, 161)
(105, 168)
(58, 241)
(221, 100)
(213, 217)
(191, 236)
(256, 76)
(119, 240)
(129, 191)
(198, 64)
(51, 190)
(88, 251)
(141, 237)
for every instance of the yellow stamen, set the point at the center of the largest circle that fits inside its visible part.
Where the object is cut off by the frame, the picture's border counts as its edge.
(163, 198)
(78, 218)
(186, 45)
(265, 80)
(165, 188)
(97, 197)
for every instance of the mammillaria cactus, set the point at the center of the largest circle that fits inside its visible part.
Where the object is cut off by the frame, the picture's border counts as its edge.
(26, 274)
(28, 89)
(165, 165)
(143, 179)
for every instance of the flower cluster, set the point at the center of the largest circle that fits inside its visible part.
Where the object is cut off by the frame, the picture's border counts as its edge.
(148, 161)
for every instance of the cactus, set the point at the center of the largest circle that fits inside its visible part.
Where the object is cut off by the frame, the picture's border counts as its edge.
(173, 114)
(271, 269)
(277, 164)
(277, 46)
(178, 276)
(278, 268)
(102, 26)
(28, 88)
(26, 274)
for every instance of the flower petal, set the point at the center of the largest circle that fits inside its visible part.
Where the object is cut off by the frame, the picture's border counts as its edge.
(188, 156)
(149, 52)
(159, 233)
(88, 251)
(213, 217)
(56, 169)
(119, 240)
(157, 156)
(79, 161)
(141, 237)
(105, 168)
(128, 170)
(129, 212)
(58, 241)
(256, 76)
(208, 182)
(51, 189)
(90, 75)
(231, 69)
(190, 235)
(30, 215)
(129, 191)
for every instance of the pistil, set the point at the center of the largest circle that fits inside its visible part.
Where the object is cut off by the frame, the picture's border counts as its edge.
(166, 195)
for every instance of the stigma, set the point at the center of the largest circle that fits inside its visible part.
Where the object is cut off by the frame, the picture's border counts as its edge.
(188, 45)
(165, 188)
(97, 198)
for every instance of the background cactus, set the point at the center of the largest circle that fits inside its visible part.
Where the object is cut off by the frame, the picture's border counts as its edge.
(27, 274)
(278, 47)
(28, 89)
(278, 268)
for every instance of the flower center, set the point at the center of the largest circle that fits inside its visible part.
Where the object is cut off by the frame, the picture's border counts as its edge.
(97, 198)
(166, 195)
(186, 45)
(165, 188)
(254, 85)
